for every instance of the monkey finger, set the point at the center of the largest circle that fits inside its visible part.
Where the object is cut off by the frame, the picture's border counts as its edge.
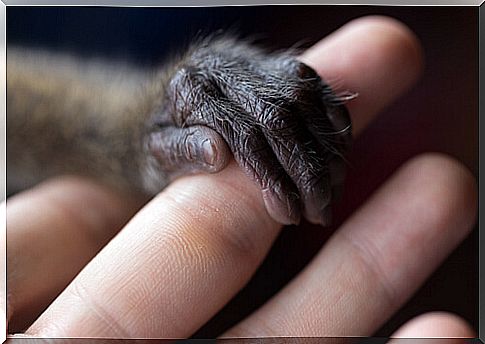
(251, 151)
(342, 125)
(258, 160)
(188, 150)
(300, 157)
(330, 128)
(333, 129)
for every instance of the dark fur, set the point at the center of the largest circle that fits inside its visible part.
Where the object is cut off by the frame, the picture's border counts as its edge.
(282, 123)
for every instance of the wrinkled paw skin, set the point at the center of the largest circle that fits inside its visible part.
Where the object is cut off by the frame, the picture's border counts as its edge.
(282, 123)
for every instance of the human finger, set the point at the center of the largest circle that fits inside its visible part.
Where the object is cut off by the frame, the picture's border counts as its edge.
(187, 253)
(63, 220)
(378, 258)
(253, 155)
(434, 327)
(376, 57)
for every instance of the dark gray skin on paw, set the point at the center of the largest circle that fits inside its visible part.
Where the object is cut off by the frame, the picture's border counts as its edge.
(282, 123)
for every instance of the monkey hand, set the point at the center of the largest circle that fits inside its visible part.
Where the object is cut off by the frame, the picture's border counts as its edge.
(284, 126)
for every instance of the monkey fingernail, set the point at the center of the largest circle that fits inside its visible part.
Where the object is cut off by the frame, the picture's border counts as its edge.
(188, 150)
(209, 152)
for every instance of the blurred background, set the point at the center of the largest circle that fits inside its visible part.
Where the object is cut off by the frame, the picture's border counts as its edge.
(439, 114)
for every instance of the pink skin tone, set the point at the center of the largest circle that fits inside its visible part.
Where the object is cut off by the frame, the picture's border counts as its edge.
(187, 252)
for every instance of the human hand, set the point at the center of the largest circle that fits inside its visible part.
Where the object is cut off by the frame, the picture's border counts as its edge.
(192, 248)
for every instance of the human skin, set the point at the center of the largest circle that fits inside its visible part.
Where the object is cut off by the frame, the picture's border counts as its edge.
(187, 252)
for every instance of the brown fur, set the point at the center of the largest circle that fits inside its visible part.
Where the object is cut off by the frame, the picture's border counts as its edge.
(71, 116)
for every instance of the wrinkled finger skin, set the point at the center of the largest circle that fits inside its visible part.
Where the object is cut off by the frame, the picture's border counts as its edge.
(208, 233)
(280, 120)
(378, 258)
(185, 150)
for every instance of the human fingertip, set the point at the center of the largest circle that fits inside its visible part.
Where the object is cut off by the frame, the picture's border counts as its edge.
(401, 50)
(376, 57)
(457, 201)
(436, 325)
(403, 39)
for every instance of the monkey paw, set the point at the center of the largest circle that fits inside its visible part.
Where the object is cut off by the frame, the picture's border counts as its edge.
(282, 123)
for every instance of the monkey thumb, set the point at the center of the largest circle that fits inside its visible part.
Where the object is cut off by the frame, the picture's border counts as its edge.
(189, 150)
